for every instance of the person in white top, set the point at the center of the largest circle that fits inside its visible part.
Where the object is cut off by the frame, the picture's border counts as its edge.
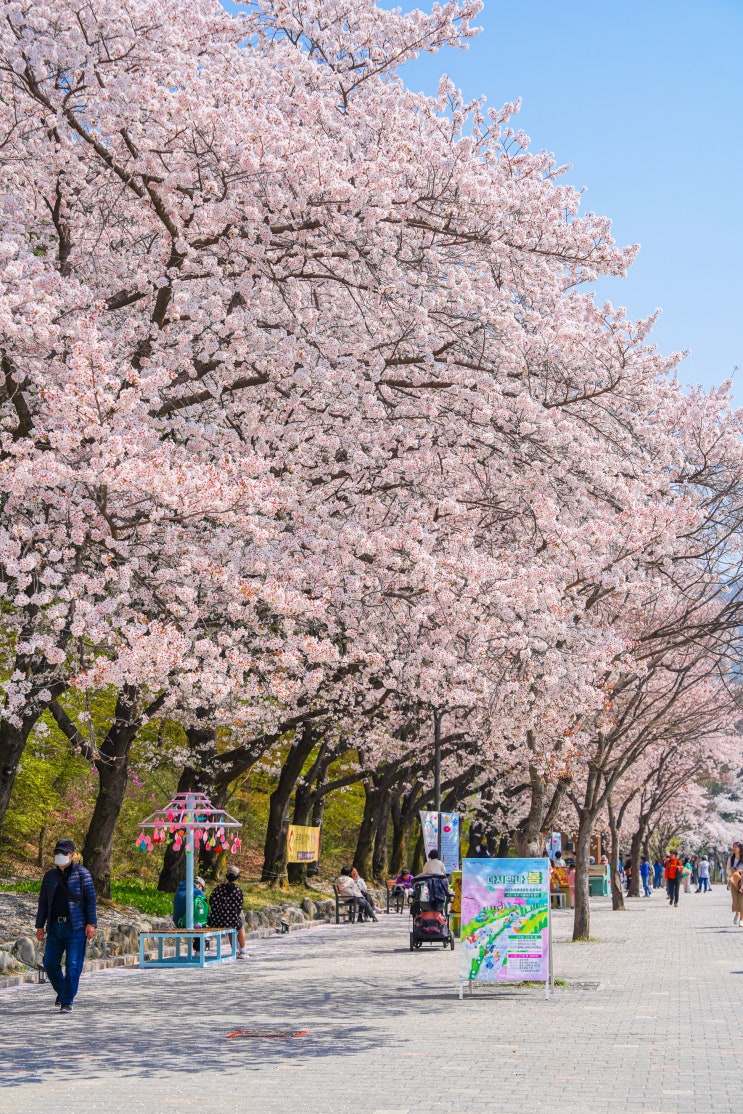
(434, 864)
(348, 888)
(364, 889)
(703, 886)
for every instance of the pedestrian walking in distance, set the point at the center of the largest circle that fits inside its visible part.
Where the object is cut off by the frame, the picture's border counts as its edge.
(674, 868)
(735, 881)
(67, 915)
(703, 872)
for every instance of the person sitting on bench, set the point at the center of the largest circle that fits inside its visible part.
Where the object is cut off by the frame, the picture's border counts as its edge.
(225, 908)
(348, 889)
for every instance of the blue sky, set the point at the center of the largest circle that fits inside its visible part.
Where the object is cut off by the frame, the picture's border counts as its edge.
(645, 100)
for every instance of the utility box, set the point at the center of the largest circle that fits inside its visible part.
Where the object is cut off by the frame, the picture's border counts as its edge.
(599, 883)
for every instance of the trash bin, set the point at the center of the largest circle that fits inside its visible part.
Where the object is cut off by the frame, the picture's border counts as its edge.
(598, 885)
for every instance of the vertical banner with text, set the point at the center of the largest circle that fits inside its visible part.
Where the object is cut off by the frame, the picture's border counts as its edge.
(447, 824)
(430, 826)
(449, 840)
(505, 920)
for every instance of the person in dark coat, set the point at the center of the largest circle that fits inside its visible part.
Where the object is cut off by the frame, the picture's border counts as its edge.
(67, 915)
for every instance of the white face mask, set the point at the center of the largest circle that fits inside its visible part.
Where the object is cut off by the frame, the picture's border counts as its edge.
(62, 860)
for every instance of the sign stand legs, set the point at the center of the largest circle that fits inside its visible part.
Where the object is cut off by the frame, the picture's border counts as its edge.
(551, 972)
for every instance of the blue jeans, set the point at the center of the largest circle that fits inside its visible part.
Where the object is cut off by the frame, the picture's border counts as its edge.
(63, 938)
(646, 887)
(703, 885)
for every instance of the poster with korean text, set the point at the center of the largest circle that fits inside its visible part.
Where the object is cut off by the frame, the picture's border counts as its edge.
(505, 920)
(302, 844)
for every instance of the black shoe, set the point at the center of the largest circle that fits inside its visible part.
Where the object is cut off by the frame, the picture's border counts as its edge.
(57, 1001)
(66, 1009)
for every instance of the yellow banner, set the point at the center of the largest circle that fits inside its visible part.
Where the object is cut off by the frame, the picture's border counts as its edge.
(302, 844)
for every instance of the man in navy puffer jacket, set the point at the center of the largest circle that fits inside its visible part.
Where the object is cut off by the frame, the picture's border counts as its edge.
(68, 914)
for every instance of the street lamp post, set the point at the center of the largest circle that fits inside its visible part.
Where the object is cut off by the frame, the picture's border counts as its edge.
(437, 772)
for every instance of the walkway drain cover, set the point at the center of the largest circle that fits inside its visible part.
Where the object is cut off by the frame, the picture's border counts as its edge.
(271, 1034)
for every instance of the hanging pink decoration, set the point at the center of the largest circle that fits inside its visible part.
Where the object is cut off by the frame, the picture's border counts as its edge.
(190, 821)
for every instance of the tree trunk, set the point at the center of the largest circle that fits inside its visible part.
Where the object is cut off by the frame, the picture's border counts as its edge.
(211, 862)
(417, 865)
(404, 810)
(112, 782)
(297, 872)
(113, 770)
(380, 856)
(42, 840)
(476, 836)
(635, 850)
(398, 856)
(274, 850)
(318, 815)
(362, 859)
(12, 744)
(582, 921)
(617, 897)
(529, 841)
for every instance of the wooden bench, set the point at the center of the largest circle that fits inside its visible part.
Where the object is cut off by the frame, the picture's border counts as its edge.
(346, 908)
(399, 900)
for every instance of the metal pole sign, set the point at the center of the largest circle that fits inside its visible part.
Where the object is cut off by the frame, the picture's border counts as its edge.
(505, 934)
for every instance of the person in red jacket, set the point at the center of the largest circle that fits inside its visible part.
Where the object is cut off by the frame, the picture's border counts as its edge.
(672, 869)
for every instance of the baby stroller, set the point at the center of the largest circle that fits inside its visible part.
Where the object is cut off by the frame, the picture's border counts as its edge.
(429, 911)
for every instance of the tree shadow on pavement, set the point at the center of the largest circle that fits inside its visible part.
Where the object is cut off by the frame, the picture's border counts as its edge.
(145, 1028)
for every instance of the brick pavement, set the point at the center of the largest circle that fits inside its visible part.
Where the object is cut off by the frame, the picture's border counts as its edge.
(648, 1025)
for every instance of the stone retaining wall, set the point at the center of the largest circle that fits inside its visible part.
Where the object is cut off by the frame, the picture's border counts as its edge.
(116, 942)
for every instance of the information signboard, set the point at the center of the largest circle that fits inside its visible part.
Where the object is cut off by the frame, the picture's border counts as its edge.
(302, 844)
(505, 933)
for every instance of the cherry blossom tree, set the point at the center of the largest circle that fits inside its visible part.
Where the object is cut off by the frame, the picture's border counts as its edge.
(308, 427)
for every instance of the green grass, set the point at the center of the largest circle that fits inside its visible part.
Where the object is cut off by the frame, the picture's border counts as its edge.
(147, 899)
(24, 887)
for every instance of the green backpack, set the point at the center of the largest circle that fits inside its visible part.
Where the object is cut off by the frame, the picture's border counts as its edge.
(200, 911)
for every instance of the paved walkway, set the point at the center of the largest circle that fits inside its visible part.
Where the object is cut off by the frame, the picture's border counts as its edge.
(649, 1024)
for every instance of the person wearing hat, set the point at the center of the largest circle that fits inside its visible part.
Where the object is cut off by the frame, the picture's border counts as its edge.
(67, 915)
(225, 908)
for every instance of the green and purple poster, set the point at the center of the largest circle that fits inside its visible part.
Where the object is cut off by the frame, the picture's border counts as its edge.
(505, 920)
